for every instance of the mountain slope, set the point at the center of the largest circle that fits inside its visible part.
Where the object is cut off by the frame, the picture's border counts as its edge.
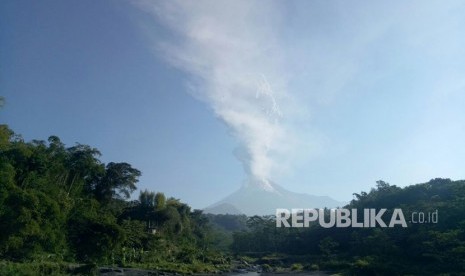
(252, 199)
(222, 208)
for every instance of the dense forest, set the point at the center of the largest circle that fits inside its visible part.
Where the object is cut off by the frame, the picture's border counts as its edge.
(419, 249)
(63, 205)
(63, 211)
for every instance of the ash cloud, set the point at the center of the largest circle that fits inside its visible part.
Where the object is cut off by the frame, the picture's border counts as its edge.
(233, 57)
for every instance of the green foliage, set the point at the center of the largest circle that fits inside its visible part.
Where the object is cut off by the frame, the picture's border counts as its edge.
(63, 202)
(328, 246)
(228, 222)
(32, 269)
(419, 249)
(160, 201)
(94, 239)
(147, 199)
(118, 181)
(297, 267)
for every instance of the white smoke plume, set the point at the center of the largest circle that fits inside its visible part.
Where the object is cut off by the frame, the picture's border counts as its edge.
(230, 50)
(304, 83)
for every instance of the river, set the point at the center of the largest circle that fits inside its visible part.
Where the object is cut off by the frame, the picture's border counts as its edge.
(142, 272)
(272, 274)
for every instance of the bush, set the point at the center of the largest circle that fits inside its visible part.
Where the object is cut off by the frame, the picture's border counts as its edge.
(34, 268)
(297, 267)
(267, 268)
(314, 267)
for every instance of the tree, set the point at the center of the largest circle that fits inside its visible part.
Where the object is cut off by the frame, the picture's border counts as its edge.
(6, 135)
(328, 246)
(85, 169)
(160, 201)
(94, 238)
(147, 199)
(119, 181)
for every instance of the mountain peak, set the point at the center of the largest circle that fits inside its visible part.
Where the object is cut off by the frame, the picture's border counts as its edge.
(263, 198)
(262, 184)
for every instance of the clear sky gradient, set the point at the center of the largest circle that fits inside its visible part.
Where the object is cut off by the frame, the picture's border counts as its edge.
(367, 90)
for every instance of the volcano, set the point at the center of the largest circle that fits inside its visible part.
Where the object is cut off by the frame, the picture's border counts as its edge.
(258, 198)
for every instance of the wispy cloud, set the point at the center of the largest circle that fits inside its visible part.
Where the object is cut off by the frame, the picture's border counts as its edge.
(233, 56)
(274, 70)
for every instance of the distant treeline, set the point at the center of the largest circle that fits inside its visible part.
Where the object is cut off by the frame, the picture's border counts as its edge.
(420, 249)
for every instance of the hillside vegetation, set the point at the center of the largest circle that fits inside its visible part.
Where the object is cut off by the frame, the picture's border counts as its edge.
(418, 249)
(63, 211)
(62, 204)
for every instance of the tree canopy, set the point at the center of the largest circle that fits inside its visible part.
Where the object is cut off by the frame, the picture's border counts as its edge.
(64, 202)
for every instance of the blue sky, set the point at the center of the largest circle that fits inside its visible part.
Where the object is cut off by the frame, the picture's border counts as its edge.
(322, 97)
